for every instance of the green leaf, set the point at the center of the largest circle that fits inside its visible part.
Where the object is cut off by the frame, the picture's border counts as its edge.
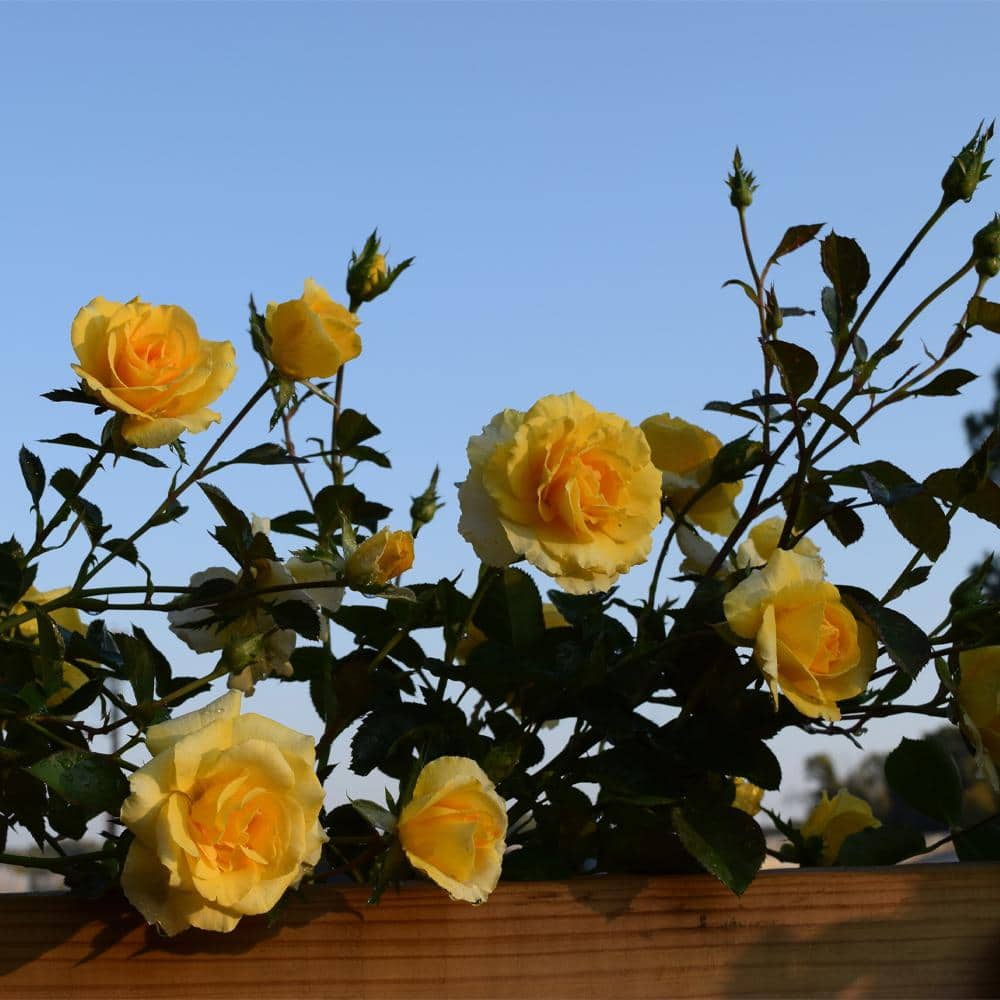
(362, 453)
(380, 731)
(748, 291)
(335, 502)
(353, 428)
(735, 459)
(725, 841)
(982, 499)
(95, 783)
(172, 512)
(830, 415)
(143, 664)
(882, 845)
(380, 818)
(235, 535)
(980, 843)
(947, 383)
(67, 484)
(983, 313)
(907, 645)
(911, 578)
(924, 775)
(264, 454)
(72, 440)
(33, 472)
(844, 524)
(908, 505)
(845, 264)
(298, 616)
(798, 368)
(795, 237)
(511, 610)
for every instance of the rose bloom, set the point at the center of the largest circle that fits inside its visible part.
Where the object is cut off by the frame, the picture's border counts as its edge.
(225, 818)
(684, 453)
(311, 336)
(379, 559)
(149, 363)
(835, 820)
(453, 828)
(762, 540)
(570, 489)
(806, 641)
(979, 694)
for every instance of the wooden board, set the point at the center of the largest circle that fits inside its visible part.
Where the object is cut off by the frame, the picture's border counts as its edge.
(922, 930)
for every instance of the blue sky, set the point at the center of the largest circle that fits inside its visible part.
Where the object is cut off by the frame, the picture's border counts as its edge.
(555, 168)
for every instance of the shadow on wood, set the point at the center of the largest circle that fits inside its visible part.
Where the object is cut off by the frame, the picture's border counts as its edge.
(931, 930)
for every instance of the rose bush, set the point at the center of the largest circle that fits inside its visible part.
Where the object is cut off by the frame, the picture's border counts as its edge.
(592, 727)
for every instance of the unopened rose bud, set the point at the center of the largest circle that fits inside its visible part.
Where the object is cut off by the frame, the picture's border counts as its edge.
(377, 560)
(425, 506)
(988, 267)
(773, 318)
(741, 182)
(368, 274)
(986, 242)
(967, 169)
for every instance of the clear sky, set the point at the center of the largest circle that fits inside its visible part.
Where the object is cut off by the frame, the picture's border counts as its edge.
(557, 171)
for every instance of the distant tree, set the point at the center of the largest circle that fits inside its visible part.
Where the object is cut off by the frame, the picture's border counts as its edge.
(867, 780)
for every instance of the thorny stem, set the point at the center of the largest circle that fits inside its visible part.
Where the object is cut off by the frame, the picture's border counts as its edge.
(174, 492)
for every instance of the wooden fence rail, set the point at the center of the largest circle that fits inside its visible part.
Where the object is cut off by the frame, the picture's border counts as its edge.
(921, 930)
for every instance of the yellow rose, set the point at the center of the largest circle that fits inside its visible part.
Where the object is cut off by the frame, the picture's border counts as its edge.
(312, 336)
(149, 363)
(762, 540)
(379, 559)
(747, 796)
(453, 828)
(805, 640)
(835, 820)
(683, 453)
(979, 694)
(225, 818)
(570, 489)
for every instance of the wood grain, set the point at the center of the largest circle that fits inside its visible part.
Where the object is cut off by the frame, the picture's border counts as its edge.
(922, 930)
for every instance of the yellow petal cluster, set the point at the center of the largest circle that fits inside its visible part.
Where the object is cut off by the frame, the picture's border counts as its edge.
(807, 643)
(149, 363)
(684, 453)
(747, 796)
(311, 336)
(979, 694)
(225, 818)
(379, 559)
(570, 489)
(835, 820)
(762, 541)
(453, 828)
